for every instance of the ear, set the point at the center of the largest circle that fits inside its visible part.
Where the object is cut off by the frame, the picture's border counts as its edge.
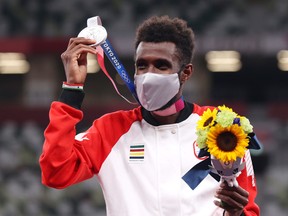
(186, 73)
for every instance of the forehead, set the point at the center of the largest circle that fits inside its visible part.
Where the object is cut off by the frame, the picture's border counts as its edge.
(163, 50)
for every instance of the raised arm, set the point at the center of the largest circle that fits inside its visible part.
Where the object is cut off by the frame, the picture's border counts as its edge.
(64, 161)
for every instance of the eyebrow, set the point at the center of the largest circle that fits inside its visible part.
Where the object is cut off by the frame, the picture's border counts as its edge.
(157, 61)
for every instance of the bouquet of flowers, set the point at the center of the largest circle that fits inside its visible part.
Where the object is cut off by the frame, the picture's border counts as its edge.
(226, 136)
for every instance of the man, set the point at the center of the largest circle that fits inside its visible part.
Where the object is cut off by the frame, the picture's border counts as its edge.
(140, 155)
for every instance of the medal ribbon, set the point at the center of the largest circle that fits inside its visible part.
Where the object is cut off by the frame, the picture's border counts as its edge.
(106, 48)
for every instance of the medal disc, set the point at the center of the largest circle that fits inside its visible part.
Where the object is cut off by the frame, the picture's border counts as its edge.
(97, 33)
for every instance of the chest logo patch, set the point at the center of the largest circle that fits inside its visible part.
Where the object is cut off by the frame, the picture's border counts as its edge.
(136, 152)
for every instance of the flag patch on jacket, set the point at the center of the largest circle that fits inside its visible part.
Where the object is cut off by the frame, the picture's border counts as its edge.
(136, 153)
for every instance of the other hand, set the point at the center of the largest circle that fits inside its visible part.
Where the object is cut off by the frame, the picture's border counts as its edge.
(232, 199)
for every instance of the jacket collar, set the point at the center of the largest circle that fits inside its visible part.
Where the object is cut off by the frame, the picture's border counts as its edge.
(184, 114)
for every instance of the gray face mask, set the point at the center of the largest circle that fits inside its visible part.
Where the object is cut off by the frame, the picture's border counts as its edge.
(156, 90)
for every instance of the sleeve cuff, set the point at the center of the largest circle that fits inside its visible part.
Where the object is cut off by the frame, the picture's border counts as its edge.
(72, 98)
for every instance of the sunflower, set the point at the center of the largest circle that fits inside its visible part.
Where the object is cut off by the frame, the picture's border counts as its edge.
(207, 119)
(227, 143)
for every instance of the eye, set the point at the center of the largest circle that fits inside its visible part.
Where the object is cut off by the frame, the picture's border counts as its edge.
(163, 65)
(141, 65)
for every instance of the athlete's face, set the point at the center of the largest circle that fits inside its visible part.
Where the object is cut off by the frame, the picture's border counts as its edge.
(156, 58)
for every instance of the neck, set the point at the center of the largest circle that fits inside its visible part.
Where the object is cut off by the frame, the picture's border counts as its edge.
(169, 114)
(163, 120)
(173, 109)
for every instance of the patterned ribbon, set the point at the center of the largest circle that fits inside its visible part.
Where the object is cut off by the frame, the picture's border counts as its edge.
(110, 53)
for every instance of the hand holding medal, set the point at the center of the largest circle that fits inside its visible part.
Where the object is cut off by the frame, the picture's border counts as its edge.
(97, 32)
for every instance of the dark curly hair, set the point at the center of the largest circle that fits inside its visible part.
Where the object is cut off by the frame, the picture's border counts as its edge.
(166, 29)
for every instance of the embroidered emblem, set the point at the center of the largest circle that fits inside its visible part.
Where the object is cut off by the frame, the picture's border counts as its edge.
(136, 153)
(196, 150)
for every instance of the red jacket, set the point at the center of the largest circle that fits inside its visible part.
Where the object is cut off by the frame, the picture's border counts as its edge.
(139, 165)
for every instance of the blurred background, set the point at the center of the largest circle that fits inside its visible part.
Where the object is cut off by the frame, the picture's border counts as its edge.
(241, 60)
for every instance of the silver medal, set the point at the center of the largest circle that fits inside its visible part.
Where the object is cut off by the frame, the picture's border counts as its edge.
(96, 32)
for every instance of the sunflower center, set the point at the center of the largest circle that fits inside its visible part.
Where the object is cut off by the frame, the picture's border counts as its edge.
(208, 121)
(227, 141)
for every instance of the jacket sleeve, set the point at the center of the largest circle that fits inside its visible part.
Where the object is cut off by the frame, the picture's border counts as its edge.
(64, 161)
(248, 182)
